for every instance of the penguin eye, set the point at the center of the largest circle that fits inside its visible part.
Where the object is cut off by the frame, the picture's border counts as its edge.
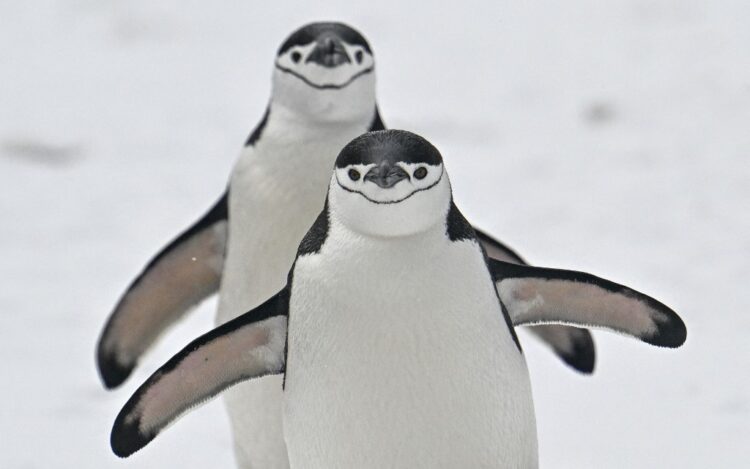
(420, 173)
(296, 56)
(353, 174)
(359, 56)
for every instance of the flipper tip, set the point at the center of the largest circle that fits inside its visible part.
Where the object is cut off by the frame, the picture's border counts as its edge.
(671, 332)
(111, 371)
(125, 438)
(583, 356)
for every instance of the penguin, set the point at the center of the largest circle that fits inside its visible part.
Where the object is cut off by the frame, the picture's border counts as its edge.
(394, 332)
(323, 95)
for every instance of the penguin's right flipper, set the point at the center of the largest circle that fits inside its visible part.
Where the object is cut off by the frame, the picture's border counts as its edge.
(247, 347)
(535, 295)
(497, 250)
(573, 345)
(182, 275)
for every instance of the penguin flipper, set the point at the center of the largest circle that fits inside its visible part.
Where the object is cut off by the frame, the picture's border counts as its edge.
(574, 346)
(247, 347)
(497, 250)
(538, 295)
(180, 276)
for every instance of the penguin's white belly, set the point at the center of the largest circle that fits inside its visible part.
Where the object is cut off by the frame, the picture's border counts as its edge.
(264, 234)
(272, 204)
(408, 366)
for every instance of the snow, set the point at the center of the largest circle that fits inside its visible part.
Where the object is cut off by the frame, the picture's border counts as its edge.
(610, 137)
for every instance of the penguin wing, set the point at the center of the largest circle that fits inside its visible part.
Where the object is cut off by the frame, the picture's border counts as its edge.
(574, 346)
(535, 295)
(183, 274)
(497, 250)
(247, 347)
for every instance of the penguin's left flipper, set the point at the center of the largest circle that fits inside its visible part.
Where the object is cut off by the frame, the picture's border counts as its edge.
(574, 346)
(536, 295)
(247, 347)
(180, 276)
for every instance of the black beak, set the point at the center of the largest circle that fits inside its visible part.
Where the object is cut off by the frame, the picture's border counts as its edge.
(329, 52)
(386, 175)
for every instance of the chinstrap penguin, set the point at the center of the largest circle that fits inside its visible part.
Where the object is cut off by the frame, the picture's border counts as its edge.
(323, 96)
(394, 331)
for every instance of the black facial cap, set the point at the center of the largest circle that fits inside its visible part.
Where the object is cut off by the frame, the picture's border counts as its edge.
(314, 31)
(389, 146)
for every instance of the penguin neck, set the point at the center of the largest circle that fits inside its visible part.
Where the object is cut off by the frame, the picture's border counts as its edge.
(413, 244)
(286, 123)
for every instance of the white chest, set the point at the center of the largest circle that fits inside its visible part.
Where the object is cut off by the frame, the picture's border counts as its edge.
(399, 357)
(276, 191)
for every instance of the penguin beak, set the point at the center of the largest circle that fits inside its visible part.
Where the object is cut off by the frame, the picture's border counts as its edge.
(329, 52)
(386, 175)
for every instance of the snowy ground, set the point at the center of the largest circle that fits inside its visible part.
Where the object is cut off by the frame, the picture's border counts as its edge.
(611, 137)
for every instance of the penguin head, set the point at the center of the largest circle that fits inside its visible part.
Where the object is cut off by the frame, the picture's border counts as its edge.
(389, 183)
(325, 71)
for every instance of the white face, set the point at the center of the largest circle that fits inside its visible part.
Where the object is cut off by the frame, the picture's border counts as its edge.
(330, 93)
(412, 205)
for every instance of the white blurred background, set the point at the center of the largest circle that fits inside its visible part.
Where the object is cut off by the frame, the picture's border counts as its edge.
(611, 137)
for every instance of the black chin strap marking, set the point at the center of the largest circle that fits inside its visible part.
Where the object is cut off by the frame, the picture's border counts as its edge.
(388, 202)
(330, 86)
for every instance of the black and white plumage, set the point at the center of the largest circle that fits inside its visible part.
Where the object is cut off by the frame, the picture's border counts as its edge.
(399, 345)
(323, 96)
